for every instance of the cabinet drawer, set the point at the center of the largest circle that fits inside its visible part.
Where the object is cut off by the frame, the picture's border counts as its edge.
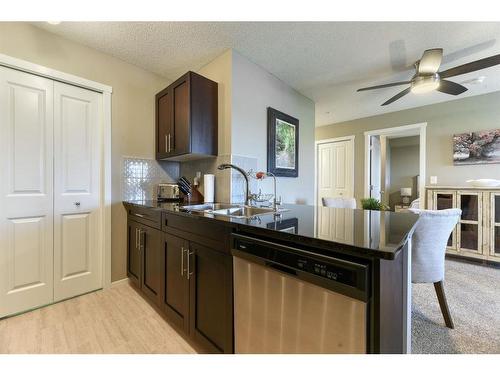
(195, 229)
(145, 215)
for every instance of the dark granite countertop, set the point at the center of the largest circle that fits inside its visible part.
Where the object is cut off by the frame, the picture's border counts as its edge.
(372, 233)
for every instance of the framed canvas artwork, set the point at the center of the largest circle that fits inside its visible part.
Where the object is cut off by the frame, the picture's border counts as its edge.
(282, 144)
(482, 147)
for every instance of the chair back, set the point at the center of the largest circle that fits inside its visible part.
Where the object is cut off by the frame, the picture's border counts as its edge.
(339, 202)
(429, 241)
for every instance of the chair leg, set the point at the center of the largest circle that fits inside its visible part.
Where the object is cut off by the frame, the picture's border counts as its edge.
(439, 287)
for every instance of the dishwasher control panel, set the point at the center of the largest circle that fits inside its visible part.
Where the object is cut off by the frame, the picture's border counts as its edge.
(341, 271)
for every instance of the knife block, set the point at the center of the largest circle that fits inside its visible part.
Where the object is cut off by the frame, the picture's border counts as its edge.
(194, 198)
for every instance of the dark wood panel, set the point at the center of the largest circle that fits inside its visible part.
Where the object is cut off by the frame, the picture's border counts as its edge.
(181, 141)
(211, 298)
(175, 283)
(198, 230)
(152, 272)
(134, 261)
(163, 121)
(204, 115)
(144, 215)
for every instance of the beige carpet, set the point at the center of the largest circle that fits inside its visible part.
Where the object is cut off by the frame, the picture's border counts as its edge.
(473, 293)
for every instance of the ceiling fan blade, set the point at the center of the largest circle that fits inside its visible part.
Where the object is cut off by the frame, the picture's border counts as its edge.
(452, 88)
(430, 61)
(398, 96)
(471, 67)
(384, 86)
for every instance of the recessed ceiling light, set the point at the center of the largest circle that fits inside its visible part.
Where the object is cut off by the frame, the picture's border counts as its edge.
(54, 22)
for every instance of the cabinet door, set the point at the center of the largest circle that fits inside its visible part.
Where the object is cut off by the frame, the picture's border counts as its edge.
(211, 298)
(175, 295)
(164, 122)
(470, 225)
(494, 224)
(180, 142)
(151, 248)
(134, 261)
(443, 200)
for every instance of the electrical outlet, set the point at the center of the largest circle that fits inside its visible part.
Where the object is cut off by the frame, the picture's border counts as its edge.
(434, 180)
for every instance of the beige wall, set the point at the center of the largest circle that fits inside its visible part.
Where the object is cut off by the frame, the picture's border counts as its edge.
(443, 120)
(254, 90)
(132, 104)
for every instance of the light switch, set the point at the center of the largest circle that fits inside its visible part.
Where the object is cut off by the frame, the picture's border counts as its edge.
(434, 180)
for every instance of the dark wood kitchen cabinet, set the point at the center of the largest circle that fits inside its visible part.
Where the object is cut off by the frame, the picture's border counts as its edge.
(133, 254)
(186, 119)
(175, 282)
(211, 289)
(144, 259)
(198, 292)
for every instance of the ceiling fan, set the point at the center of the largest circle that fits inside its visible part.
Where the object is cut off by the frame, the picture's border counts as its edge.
(427, 78)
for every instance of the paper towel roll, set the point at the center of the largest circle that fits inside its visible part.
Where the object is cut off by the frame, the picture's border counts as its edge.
(209, 188)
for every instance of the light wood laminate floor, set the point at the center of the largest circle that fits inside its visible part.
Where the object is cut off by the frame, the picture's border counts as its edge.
(114, 320)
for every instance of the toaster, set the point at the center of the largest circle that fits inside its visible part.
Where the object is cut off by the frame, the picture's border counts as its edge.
(167, 192)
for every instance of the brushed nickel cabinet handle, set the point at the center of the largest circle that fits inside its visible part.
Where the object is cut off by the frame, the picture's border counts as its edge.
(166, 143)
(189, 273)
(140, 245)
(136, 238)
(169, 142)
(182, 260)
(139, 215)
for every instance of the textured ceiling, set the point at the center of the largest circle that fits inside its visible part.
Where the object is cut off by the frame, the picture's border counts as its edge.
(325, 61)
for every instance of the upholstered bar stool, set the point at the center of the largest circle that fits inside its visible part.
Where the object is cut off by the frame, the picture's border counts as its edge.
(429, 241)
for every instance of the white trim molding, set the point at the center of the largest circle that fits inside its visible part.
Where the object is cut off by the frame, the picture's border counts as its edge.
(42, 71)
(421, 127)
(350, 138)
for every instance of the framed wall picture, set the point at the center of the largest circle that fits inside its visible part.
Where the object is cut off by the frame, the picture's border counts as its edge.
(482, 147)
(282, 144)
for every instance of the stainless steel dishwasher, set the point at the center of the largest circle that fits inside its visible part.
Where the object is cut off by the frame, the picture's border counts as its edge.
(290, 300)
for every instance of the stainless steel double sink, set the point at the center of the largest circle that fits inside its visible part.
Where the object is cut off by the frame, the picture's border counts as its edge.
(231, 210)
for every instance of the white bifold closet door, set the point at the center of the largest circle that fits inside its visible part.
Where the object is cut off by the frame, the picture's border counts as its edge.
(26, 202)
(50, 186)
(77, 183)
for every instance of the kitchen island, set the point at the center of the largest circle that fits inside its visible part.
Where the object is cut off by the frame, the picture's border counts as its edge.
(186, 263)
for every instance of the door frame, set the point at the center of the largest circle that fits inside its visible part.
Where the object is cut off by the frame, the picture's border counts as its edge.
(106, 91)
(421, 127)
(316, 171)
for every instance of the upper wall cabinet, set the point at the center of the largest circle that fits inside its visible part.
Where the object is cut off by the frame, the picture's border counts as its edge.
(186, 119)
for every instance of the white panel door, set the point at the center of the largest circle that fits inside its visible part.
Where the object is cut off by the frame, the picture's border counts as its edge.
(336, 225)
(335, 161)
(77, 203)
(375, 168)
(26, 191)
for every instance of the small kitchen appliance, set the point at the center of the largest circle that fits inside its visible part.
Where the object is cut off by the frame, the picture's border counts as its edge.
(167, 192)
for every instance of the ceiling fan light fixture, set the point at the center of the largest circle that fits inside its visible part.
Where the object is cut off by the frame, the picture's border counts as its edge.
(424, 84)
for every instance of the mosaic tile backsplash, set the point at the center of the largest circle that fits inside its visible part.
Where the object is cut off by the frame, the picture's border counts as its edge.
(140, 177)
